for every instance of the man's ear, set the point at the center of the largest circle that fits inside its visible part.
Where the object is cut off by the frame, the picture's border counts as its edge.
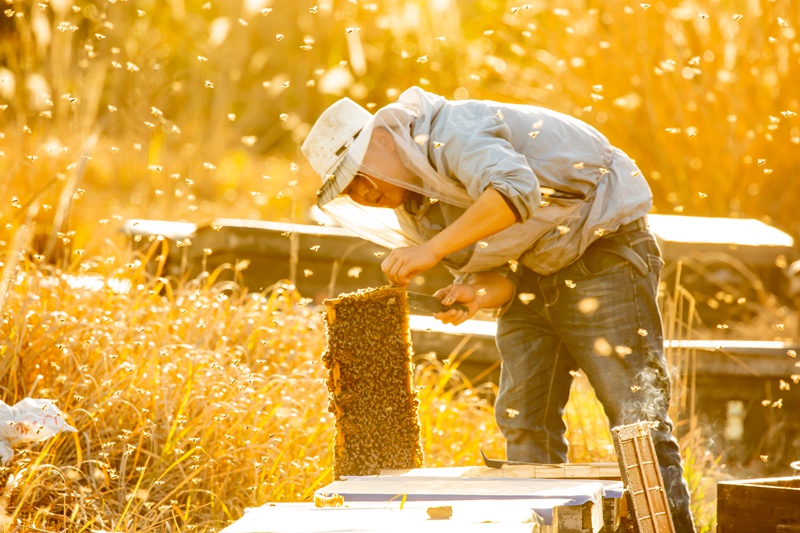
(383, 138)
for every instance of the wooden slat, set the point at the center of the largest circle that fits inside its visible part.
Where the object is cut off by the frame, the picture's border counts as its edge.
(385, 488)
(642, 478)
(450, 471)
(608, 471)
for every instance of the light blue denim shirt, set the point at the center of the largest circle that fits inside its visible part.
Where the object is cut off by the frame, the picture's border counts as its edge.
(565, 179)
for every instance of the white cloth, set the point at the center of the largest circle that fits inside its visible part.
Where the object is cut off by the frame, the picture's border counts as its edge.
(28, 420)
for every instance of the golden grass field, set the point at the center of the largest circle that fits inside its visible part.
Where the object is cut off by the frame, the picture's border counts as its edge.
(195, 398)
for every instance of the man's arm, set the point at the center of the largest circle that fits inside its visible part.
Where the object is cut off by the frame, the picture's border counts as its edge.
(487, 290)
(489, 214)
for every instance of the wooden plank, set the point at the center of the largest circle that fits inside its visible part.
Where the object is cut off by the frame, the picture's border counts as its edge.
(611, 512)
(586, 518)
(608, 471)
(642, 478)
(554, 471)
(386, 488)
(446, 471)
(758, 505)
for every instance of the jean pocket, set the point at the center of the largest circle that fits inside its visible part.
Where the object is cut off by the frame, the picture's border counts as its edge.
(600, 262)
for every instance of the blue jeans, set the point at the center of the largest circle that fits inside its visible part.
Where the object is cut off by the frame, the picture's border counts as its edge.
(599, 315)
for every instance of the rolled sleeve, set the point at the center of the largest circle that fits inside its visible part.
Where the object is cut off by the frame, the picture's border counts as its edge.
(485, 158)
(510, 205)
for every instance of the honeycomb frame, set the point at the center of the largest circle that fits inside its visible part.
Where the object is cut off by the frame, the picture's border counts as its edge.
(370, 382)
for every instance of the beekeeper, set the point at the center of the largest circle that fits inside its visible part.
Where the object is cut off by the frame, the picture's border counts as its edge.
(536, 214)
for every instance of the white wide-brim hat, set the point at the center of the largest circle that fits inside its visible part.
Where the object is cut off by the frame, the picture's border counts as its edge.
(331, 140)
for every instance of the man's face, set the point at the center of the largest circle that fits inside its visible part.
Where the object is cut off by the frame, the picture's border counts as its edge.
(372, 192)
(381, 158)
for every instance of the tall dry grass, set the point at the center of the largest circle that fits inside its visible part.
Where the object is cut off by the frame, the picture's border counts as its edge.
(187, 396)
(193, 399)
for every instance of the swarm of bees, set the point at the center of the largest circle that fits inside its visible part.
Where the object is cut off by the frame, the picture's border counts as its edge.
(368, 359)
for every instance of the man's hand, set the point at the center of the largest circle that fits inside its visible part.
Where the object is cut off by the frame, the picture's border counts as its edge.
(486, 290)
(402, 264)
(489, 214)
(463, 294)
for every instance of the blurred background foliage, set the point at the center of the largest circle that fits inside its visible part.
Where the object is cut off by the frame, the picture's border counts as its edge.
(185, 109)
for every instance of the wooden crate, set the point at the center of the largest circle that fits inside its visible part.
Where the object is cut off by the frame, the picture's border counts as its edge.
(759, 505)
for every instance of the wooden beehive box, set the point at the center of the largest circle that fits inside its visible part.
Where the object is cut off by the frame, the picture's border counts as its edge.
(759, 505)
(368, 358)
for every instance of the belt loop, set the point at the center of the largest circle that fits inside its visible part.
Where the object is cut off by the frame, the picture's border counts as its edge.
(638, 224)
